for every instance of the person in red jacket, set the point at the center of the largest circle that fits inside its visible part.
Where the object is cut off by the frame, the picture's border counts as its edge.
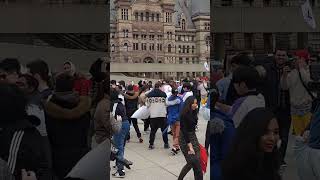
(81, 84)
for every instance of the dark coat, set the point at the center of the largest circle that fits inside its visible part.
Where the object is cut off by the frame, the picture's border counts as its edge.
(68, 122)
(31, 153)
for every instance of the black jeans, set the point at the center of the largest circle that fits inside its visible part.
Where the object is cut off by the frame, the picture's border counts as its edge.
(146, 124)
(193, 162)
(284, 121)
(155, 124)
(136, 127)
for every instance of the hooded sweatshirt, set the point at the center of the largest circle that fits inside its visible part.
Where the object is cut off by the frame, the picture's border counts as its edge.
(244, 105)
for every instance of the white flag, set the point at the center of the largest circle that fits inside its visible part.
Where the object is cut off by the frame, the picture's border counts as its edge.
(308, 15)
(206, 66)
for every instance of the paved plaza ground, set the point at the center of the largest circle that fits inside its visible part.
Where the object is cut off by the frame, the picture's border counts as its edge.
(159, 164)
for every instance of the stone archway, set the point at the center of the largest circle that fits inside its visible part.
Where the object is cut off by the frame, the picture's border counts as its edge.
(148, 60)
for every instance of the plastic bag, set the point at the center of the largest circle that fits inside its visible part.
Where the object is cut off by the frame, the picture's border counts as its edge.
(204, 112)
(203, 158)
(142, 113)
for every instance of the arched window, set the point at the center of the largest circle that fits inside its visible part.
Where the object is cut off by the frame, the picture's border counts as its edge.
(136, 16)
(141, 16)
(126, 47)
(208, 42)
(183, 24)
(152, 17)
(127, 33)
(158, 17)
(147, 16)
(169, 48)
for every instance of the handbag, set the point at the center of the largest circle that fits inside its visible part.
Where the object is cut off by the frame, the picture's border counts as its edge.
(203, 158)
(314, 101)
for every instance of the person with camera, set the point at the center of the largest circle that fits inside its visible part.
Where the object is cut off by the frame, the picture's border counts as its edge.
(295, 80)
(277, 98)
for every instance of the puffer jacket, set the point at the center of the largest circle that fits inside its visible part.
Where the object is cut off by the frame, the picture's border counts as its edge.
(68, 122)
(29, 155)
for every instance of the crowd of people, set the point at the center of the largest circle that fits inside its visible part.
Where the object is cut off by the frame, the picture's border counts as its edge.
(252, 110)
(171, 105)
(48, 120)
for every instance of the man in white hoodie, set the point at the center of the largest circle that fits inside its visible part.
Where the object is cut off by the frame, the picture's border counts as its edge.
(245, 80)
(156, 102)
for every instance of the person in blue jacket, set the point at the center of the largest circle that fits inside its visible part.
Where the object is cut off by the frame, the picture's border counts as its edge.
(174, 105)
(219, 134)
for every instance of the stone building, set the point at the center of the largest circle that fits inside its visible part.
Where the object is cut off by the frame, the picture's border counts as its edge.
(160, 31)
(266, 42)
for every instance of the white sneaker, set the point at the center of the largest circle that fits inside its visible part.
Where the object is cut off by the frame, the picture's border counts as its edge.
(119, 174)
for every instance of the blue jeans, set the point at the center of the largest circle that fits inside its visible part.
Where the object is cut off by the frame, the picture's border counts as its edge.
(119, 142)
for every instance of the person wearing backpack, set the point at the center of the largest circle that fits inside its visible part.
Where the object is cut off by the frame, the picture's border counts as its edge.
(174, 105)
(119, 111)
(244, 80)
(219, 134)
(296, 81)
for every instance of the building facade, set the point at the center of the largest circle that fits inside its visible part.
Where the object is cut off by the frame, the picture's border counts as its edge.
(160, 31)
(261, 43)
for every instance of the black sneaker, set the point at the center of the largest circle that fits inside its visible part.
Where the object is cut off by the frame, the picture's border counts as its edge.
(151, 147)
(128, 162)
(174, 151)
(119, 174)
(166, 146)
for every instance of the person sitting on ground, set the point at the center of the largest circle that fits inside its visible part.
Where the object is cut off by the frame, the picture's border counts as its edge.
(245, 81)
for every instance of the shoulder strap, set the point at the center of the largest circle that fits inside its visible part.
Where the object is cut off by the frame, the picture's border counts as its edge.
(114, 109)
(304, 85)
(14, 148)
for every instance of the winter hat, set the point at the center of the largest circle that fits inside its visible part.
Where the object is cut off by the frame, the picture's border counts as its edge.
(302, 54)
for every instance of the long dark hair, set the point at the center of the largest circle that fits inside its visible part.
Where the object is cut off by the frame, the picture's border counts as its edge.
(104, 88)
(245, 158)
(187, 106)
(13, 104)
